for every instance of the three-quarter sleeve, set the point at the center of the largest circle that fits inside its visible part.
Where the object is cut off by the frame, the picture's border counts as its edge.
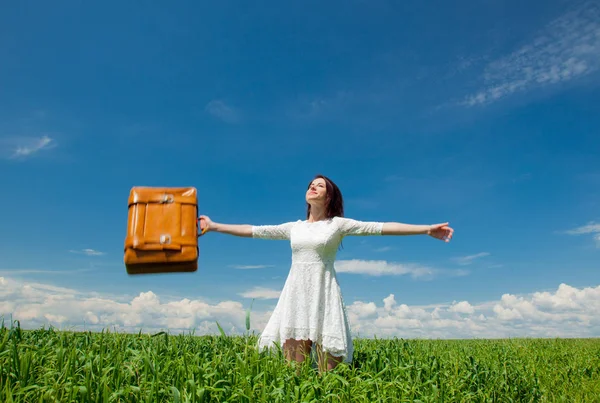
(349, 226)
(280, 231)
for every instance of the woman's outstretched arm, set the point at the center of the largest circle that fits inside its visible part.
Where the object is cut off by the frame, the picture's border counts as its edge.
(279, 231)
(439, 231)
(349, 226)
(243, 230)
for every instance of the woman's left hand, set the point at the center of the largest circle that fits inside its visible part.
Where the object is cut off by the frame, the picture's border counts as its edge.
(441, 231)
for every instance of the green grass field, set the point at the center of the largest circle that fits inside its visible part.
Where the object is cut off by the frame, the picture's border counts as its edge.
(47, 365)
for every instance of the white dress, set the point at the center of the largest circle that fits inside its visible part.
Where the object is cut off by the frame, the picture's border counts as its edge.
(311, 306)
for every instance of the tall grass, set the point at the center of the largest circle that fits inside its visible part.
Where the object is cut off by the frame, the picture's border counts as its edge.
(47, 365)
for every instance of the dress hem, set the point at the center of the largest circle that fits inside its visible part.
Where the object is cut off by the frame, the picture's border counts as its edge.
(334, 345)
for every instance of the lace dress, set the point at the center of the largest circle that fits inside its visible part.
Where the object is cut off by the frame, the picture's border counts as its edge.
(311, 306)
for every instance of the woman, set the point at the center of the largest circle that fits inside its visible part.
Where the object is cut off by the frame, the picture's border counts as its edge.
(310, 308)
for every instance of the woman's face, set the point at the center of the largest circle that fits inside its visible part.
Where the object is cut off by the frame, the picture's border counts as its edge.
(317, 192)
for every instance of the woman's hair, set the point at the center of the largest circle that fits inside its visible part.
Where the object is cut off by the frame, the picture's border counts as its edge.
(334, 201)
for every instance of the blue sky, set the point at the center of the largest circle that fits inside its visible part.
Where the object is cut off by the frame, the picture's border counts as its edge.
(484, 114)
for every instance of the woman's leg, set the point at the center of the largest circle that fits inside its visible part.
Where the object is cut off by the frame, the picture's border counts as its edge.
(297, 350)
(327, 362)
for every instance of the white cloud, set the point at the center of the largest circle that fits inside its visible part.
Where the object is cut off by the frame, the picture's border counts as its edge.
(384, 268)
(261, 293)
(28, 147)
(466, 260)
(364, 309)
(389, 302)
(250, 266)
(89, 252)
(568, 48)
(36, 304)
(565, 312)
(221, 110)
(462, 307)
(590, 228)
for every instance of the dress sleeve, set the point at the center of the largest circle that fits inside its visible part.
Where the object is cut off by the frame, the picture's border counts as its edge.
(348, 226)
(280, 231)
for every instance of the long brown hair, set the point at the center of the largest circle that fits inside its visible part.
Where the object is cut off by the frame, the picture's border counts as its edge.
(334, 201)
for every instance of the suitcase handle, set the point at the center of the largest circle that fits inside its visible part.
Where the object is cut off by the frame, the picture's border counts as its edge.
(200, 232)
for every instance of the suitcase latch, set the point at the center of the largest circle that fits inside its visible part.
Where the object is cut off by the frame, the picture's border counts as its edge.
(167, 198)
(165, 239)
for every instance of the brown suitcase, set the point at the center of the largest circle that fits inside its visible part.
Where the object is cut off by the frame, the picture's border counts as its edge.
(162, 230)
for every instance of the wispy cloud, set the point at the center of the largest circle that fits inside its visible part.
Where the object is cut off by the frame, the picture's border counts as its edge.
(322, 106)
(590, 228)
(222, 111)
(40, 271)
(466, 260)
(566, 49)
(383, 268)
(88, 252)
(28, 147)
(250, 266)
(261, 293)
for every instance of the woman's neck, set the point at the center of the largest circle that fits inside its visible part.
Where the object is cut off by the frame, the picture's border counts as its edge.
(317, 214)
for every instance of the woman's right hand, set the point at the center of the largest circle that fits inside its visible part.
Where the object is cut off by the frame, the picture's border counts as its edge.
(205, 224)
